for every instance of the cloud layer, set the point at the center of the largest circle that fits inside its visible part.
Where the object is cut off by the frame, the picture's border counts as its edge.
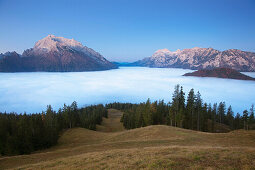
(32, 92)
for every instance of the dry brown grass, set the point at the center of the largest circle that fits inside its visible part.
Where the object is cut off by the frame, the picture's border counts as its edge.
(169, 157)
(152, 147)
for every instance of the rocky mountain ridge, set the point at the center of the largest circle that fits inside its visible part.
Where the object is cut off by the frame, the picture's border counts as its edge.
(201, 58)
(55, 54)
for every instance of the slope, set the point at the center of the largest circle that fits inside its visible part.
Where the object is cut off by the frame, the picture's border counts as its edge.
(152, 147)
(200, 58)
(55, 54)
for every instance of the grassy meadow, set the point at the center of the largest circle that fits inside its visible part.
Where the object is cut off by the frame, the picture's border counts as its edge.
(152, 147)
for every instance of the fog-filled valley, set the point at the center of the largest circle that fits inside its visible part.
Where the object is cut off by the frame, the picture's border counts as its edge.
(32, 92)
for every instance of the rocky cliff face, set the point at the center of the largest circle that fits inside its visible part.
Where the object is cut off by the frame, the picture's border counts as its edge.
(201, 58)
(55, 54)
(220, 73)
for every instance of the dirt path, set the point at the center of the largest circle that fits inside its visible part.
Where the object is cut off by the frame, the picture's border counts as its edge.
(112, 123)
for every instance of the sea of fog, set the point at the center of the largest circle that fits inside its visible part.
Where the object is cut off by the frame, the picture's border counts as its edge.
(32, 92)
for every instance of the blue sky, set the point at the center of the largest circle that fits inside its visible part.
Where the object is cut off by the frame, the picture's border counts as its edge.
(128, 30)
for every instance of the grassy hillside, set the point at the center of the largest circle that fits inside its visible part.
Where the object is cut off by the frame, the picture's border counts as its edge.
(152, 147)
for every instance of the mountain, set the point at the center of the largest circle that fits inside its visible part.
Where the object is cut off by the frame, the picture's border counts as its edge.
(201, 58)
(55, 54)
(220, 73)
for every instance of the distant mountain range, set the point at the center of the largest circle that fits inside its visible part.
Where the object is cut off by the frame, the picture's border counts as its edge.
(61, 54)
(55, 54)
(220, 73)
(200, 58)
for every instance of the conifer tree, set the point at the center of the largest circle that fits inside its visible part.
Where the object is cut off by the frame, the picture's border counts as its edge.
(230, 117)
(189, 118)
(204, 118)
(175, 103)
(221, 111)
(245, 120)
(198, 106)
(251, 120)
(237, 122)
(214, 112)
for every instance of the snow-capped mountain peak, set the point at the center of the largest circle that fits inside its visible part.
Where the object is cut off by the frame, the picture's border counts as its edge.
(165, 52)
(161, 52)
(54, 53)
(51, 42)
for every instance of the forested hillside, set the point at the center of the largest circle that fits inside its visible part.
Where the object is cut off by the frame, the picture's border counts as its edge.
(189, 113)
(24, 133)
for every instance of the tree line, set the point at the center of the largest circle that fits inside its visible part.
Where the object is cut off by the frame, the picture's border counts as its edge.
(185, 112)
(24, 133)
